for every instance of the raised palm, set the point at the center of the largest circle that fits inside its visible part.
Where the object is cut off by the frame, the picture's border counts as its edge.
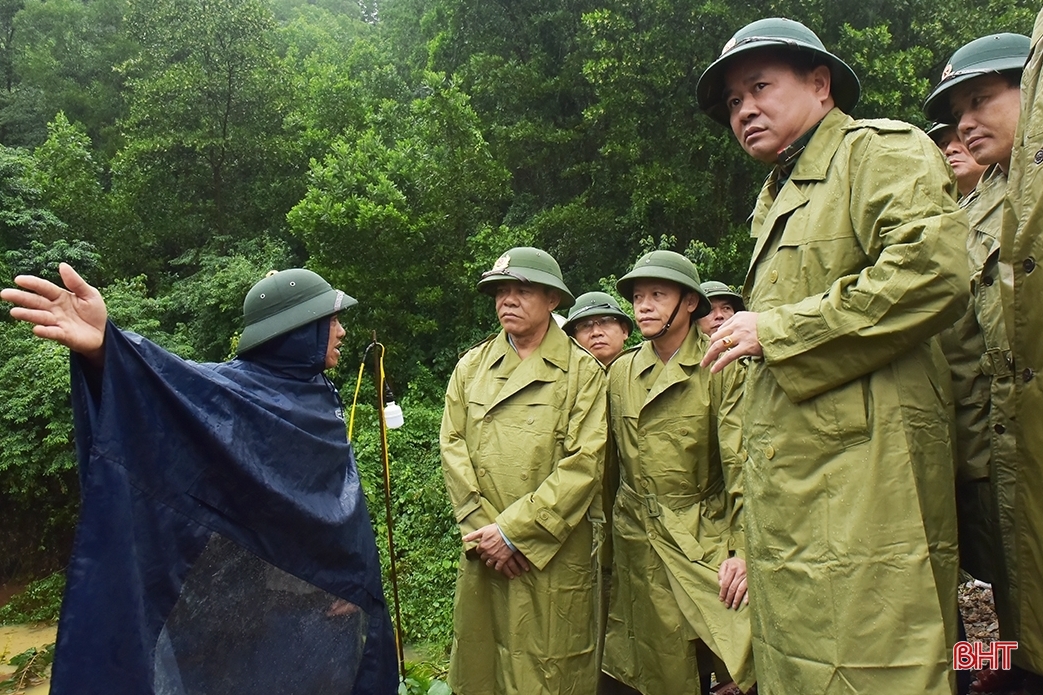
(74, 317)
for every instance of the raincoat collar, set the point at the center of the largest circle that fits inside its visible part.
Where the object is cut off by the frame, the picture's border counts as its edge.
(680, 366)
(826, 137)
(812, 165)
(544, 364)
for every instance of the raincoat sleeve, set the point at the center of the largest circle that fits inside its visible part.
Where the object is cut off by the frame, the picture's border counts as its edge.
(729, 386)
(911, 228)
(471, 509)
(539, 523)
(963, 347)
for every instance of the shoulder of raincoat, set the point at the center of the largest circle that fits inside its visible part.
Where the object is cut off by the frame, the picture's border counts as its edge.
(902, 248)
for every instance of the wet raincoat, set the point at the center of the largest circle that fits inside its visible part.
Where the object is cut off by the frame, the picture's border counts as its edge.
(849, 494)
(979, 355)
(523, 445)
(1022, 251)
(677, 436)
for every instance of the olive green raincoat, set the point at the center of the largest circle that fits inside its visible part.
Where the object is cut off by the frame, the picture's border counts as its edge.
(849, 494)
(979, 355)
(523, 444)
(677, 434)
(1022, 251)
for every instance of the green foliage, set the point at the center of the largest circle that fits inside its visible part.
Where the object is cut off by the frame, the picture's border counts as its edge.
(22, 216)
(388, 215)
(39, 602)
(32, 667)
(424, 678)
(427, 541)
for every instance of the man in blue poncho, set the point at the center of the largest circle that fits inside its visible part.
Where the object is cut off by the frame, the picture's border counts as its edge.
(224, 544)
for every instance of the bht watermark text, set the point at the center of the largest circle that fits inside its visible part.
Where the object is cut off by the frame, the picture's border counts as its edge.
(975, 656)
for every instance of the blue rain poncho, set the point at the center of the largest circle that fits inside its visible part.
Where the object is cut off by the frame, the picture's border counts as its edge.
(224, 544)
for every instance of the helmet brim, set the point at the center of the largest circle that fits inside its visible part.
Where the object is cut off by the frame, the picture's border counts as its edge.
(736, 299)
(625, 285)
(937, 107)
(844, 85)
(326, 304)
(597, 310)
(527, 275)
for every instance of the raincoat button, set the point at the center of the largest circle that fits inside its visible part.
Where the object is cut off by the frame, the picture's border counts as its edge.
(652, 535)
(644, 484)
(531, 420)
(524, 476)
(488, 418)
(543, 515)
(774, 276)
(769, 452)
(1027, 375)
(1000, 429)
(1038, 159)
(481, 472)
(987, 281)
(684, 484)
(1030, 264)
(683, 432)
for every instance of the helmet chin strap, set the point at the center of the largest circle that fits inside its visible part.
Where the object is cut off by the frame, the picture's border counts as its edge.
(670, 321)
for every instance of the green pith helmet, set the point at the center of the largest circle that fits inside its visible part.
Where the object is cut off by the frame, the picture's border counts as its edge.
(286, 300)
(595, 304)
(526, 264)
(996, 53)
(778, 33)
(712, 288)
(666, 265)
(938, 130)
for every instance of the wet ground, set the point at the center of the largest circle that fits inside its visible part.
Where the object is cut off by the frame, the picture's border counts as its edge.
(975, 606)
(15, 639)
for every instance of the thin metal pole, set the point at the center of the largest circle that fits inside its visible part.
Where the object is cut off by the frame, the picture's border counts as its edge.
(389, 519)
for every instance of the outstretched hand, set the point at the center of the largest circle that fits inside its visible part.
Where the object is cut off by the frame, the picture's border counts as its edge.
(74, 317)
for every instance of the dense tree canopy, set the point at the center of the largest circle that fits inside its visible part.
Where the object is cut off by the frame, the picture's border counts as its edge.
(175, 150)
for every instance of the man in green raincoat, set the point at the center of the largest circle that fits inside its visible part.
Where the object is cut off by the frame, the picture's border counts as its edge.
(523, 443)
(1021, 249)
(968, 172)
(979, 93)
(599, 324)
(859, 262)
(678, 570)
(723, 305)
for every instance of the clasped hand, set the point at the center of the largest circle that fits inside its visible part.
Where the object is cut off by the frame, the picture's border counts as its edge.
(495, 552)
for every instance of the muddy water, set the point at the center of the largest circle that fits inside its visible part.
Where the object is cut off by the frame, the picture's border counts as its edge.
(15, 639)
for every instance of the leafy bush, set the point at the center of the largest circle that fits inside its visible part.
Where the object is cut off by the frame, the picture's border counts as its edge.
(427, 542)
(38, 603)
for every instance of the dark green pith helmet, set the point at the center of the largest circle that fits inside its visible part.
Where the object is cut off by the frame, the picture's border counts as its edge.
(996, 53)
(286, 300)
(526, 264)
(777, 33)
(595, 304)
(937, 130)
(712, 288)
(666, 265)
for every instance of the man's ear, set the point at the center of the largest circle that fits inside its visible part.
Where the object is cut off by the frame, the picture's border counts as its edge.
(822, 80)
(554, 297)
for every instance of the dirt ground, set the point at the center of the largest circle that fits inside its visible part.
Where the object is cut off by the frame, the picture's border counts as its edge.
(979, 617)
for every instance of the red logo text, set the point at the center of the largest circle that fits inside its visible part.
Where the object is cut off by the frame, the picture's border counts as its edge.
(974, 656)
